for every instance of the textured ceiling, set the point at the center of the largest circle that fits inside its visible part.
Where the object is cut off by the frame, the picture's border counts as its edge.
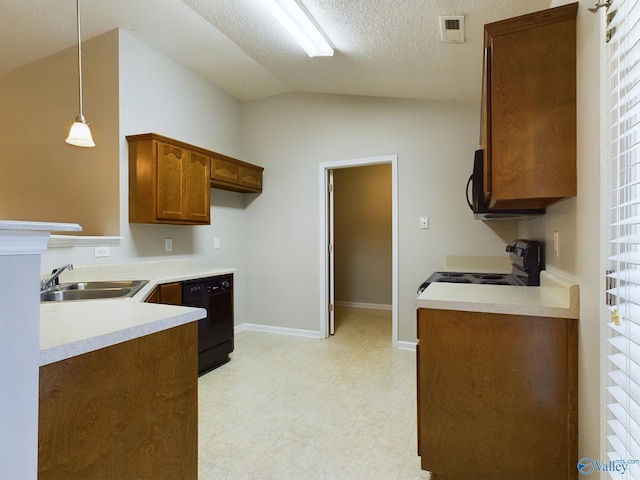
(388, 48)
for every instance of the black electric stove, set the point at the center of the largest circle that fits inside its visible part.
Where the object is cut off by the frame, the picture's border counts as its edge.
(525, 256)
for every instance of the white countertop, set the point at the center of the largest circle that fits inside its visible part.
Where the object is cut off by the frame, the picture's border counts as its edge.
(555, 297)
(72, 328)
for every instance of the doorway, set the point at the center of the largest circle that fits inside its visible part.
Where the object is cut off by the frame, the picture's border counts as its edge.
(327, 280)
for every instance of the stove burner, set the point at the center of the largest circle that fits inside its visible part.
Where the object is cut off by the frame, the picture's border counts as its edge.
(495, 282)
(490, 276)
(452, 274)
(453, 279)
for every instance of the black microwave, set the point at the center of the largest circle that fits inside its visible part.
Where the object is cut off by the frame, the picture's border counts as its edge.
(477, 203)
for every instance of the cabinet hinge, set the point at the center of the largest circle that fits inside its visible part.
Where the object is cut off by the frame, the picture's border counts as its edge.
(330, 247)
(331, 307)
(330, 187)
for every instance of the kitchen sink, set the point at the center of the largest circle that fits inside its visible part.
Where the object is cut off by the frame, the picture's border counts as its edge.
(110, 284)
(93, 290)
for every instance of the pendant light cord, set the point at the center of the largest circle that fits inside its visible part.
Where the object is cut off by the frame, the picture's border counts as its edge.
(79, 56)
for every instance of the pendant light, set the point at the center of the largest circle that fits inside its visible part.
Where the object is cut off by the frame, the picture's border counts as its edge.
(80, 135)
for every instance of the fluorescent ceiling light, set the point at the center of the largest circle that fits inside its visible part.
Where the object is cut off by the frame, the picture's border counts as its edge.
(300, 26)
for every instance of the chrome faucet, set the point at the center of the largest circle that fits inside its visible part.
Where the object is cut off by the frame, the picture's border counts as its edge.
(52, 281)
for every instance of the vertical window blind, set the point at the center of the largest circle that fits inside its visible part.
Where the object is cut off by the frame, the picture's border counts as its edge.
(622, 186)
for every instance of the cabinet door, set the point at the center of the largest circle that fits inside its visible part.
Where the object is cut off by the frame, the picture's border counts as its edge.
(251, 178)
(529, 131)
(170, 293)
(171, 162)
(198, 192)
(503, 390)
(224, 170)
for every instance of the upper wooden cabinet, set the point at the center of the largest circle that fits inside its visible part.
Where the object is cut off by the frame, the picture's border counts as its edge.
(228, 173)
(529, 109)
(168, 181)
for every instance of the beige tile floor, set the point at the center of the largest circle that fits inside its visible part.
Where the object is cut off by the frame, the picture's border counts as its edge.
(295, 408)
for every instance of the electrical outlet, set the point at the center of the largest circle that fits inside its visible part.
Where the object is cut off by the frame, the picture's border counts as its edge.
(168, 244)
(102, 252)
(424, 223)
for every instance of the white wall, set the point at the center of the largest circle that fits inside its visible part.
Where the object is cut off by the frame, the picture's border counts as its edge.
(158, 95)
(578, 222)
(291, 134)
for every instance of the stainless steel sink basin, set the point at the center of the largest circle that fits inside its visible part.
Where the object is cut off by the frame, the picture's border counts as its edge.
(93, 290)
(102, 284)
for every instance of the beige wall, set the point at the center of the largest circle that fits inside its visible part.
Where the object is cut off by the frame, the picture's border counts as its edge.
(362, 238)
(43, 178)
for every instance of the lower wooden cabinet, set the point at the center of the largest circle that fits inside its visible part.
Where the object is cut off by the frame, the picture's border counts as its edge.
(497, 396)
(167, 293)
(128, 411)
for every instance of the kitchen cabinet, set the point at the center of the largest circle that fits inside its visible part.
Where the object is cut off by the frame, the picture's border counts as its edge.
(497, 396)
(529, 109)
(228, 173)
(168, 181)
(166, 293)
(126, 411)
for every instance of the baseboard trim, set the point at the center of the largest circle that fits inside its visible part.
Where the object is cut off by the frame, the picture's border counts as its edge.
(375, 306)
(296, 332)
(411, 346)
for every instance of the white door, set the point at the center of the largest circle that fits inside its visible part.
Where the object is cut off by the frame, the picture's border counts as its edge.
(331, 256)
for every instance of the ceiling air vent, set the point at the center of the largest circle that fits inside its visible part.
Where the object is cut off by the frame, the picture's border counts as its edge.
(452, 28)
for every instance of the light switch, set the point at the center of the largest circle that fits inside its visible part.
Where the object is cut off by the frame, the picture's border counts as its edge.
(424, 223)
(168, 244)
(216, 242)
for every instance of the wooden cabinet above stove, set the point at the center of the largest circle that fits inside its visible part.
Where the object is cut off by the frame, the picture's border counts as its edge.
(529, 109)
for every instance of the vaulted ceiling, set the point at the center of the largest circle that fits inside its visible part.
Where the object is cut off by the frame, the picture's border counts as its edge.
(388, 48)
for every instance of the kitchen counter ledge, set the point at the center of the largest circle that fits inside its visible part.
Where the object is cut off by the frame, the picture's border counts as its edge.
(555, 297)
(68, 329)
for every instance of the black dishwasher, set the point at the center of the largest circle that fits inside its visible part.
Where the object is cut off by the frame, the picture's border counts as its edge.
(215, 331)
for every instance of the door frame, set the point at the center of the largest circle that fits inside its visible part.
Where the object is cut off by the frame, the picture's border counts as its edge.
(324, 219)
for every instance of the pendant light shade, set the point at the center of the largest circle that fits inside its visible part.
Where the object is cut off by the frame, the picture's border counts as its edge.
(80, 135)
